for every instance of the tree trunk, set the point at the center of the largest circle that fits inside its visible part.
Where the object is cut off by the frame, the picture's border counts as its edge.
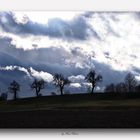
(15, 95)
(93, 86)
(61, 90)
(37, 92)
(92, 89)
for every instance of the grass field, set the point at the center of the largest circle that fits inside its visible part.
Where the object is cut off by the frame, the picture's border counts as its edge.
(70, 102)
(71, 111)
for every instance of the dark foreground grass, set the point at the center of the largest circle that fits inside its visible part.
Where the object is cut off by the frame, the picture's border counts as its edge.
(71, 119)
(72, 111)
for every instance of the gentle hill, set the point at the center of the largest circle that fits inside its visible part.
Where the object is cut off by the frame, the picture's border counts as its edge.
(75, 101)
(72, 111)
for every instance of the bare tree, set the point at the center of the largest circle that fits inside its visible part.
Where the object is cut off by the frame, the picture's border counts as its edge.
(14, 88)
(121, 87)
(60, 81)
(38, 85)
(4, 95)
(130, 82)
(93, 78)
(110, 88)
(137, 88)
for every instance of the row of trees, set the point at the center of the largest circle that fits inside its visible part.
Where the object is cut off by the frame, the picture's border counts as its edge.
(130, 84)
(59, 81)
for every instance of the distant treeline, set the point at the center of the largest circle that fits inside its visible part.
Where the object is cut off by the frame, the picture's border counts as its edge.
(126, 88)
(129, 85)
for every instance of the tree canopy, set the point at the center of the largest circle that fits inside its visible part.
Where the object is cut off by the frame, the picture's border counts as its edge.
(93, 78)
(60, 81)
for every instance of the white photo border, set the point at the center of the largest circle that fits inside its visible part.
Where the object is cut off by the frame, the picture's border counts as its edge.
(71, 5)
(68, 5)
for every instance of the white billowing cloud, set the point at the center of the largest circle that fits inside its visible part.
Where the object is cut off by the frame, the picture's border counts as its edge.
(8, 68)
(98, 89)
(137, 77)
(78, 78)
(75, 85)
(30, 72)
(120, 38)
(41, 75)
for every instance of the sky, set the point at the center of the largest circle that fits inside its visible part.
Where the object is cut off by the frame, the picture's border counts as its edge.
(40, 44)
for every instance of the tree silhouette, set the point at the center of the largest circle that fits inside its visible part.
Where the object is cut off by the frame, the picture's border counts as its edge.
(14, 88)
(4, 95)
(60, 81)
(130, 82)
(137, 88)
(93, 78)
(110, 88)
(121, 87)
(38, 85)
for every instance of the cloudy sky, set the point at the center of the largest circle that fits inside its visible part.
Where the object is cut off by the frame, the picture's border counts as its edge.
(39, 44)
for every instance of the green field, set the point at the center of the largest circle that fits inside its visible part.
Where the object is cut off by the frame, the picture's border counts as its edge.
(72, 111)
(85, 101)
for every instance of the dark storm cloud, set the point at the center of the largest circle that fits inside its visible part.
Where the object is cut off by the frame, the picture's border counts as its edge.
(45, 59)
(109, 75)
(77, 28)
